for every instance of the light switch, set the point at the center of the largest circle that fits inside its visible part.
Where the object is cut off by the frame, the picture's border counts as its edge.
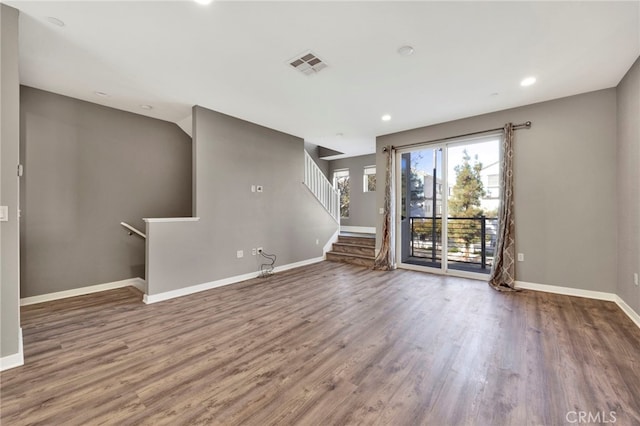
(4, 213)
(381, 211)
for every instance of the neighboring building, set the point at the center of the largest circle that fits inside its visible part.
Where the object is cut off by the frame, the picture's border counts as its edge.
(490, 176)
(424, 204)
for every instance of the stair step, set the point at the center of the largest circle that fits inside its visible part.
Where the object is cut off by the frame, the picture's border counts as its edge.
(354, 249)
(369, 241)
(354, 259)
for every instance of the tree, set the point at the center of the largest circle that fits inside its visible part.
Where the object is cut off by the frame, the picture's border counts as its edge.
(416, 183)
(343, 189)
(465, 202)
(371, 182)
(412, 184)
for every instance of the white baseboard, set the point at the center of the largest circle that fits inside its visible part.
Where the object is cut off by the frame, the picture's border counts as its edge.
(327, 247)
(134, 282)
(172, 294)
(589, 294)
(14, 360)
(567, 291)
(167, 295)
(298, 264)
(627, 310)
(359, 229)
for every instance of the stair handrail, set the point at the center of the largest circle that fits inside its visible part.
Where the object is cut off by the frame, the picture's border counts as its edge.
(320, 186)
(133, 230)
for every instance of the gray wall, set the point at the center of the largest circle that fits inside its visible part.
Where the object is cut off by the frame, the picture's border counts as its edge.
(565, 186)
(286, 219)
(628, 185)
(322, 164)
(87, 168)
(362, 205)
(9, 190)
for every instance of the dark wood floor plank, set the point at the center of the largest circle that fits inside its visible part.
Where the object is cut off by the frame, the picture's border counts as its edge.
(325, 344)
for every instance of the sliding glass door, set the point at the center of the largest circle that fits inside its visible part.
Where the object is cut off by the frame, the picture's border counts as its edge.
(448, 196)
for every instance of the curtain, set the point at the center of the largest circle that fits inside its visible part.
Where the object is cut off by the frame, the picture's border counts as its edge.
(385, 261)
(502, 276)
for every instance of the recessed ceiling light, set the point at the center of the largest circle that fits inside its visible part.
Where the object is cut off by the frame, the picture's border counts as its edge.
(386, 117)
(101, 94)
(405, 50)
(528, 81)
(146, 106)
(55, 21)
(205, 2)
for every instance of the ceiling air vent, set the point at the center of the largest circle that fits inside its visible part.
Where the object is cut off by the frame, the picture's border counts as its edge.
(308, 63)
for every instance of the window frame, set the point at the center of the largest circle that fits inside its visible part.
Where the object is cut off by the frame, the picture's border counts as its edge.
(365, 178)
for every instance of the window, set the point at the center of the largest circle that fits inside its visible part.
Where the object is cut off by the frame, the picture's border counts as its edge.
(341, 184)
(493, 180)
(369, 179)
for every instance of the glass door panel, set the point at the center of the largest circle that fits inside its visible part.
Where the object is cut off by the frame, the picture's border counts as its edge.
(421, 207)
(472, 205)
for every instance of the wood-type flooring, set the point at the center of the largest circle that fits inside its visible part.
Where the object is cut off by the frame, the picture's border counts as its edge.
(327, 344)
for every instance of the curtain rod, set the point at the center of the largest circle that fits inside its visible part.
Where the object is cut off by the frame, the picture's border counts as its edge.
(525, 125)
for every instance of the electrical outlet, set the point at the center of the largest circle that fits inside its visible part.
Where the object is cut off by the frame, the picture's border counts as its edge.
(520, 257)
(254, 251)
(635, 278)
(317, 241)
(239, 254)
(259, 249)
(381, 211)
(259, 188)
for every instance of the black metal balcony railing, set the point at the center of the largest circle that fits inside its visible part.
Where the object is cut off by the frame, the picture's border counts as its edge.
(471, 241)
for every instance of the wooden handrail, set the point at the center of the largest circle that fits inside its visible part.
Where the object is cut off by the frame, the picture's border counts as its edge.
(133, 230)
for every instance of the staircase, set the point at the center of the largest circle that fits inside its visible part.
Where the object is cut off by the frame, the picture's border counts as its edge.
(357, 249)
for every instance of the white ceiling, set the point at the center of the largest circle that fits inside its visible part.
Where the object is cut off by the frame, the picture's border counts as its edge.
(231, 56)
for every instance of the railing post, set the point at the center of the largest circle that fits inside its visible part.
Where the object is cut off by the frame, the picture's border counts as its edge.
(411, 222)
(433, 236)
(483, 241)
